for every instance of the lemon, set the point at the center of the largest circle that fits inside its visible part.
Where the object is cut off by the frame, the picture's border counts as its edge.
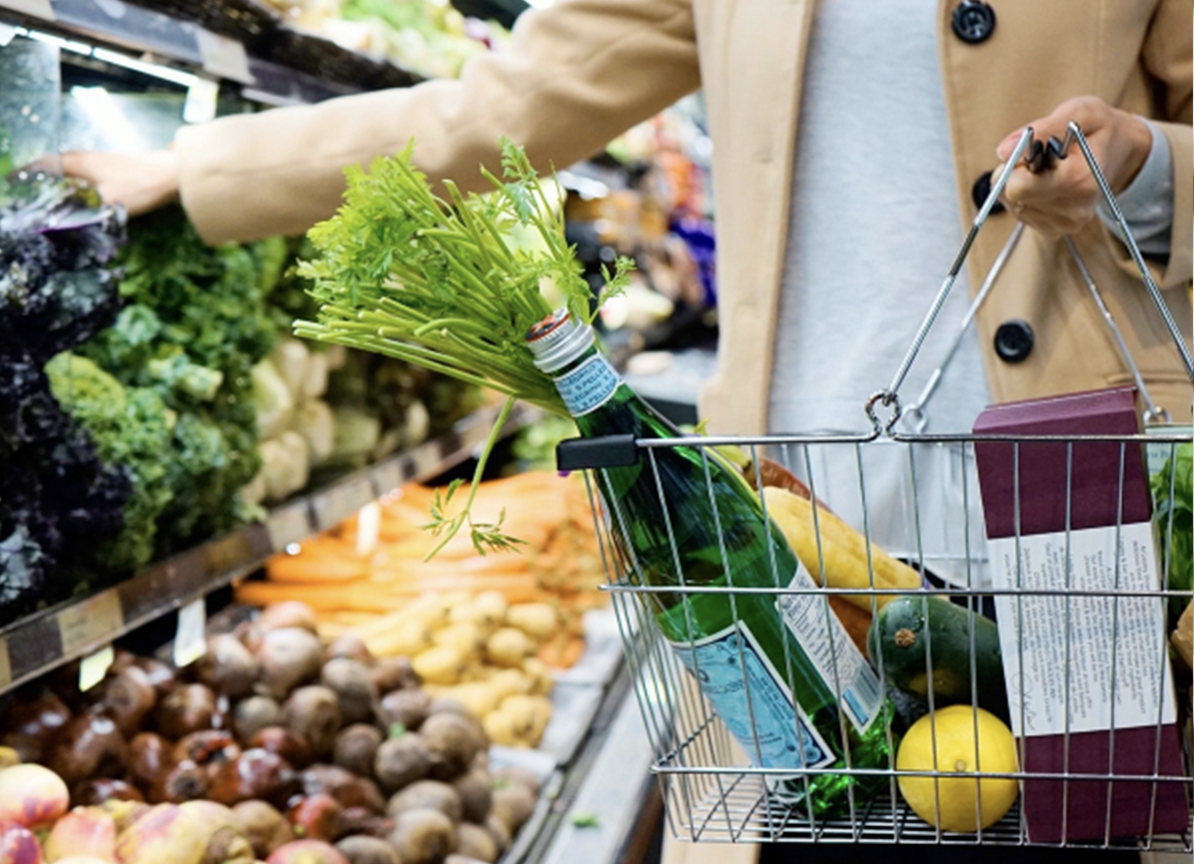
(944, 742)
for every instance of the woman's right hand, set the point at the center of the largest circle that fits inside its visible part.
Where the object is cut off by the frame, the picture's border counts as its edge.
(139, 182)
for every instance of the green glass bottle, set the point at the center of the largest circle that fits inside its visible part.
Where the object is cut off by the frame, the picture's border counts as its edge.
(766, 663)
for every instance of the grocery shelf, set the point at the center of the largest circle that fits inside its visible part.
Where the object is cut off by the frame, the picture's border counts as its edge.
(36, 644)
(243, 42)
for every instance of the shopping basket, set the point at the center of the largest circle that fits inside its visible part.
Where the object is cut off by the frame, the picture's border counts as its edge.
(714, 793)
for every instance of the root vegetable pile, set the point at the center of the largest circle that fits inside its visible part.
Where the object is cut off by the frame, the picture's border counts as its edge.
(273, 748)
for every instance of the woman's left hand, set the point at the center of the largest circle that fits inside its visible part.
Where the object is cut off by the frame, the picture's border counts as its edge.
(1062, 200)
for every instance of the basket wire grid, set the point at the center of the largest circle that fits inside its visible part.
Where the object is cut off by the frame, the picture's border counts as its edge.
(714, 793)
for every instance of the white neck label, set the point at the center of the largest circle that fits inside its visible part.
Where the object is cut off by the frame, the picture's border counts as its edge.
(589, 386)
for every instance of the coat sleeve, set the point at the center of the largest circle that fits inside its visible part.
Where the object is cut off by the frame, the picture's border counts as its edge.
(1167, 55)
(573, 77)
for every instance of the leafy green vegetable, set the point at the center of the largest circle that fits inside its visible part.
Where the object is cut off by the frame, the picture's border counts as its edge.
(1173, 495)
(436, 282)
(195, 324)
(58, 499)
(130, 428)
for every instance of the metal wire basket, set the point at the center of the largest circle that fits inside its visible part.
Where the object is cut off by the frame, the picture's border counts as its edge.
(713, 792)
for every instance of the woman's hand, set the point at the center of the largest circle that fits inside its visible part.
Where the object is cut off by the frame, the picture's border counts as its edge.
(140, 182)
(1062, 200)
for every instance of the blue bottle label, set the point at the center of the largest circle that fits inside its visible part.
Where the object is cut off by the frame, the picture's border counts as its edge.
(752, 700)
(589, 386)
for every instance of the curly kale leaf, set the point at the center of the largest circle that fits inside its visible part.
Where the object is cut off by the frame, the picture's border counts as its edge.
(131, 428)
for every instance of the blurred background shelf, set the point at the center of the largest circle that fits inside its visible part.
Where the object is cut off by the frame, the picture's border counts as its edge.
(242, 43)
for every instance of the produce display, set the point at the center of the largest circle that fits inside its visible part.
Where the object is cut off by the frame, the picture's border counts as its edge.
(425, 36)
(149, 400)
(61, 499)
(183, 347)
(483, 630)
(275, 746)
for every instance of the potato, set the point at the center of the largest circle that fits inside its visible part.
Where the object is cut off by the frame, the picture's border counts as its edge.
(465, 636)
(494, 604)
(540, 676)
(471, 613)
(507, 647)
(440, 665)
(502, 728)
(508, 682)
(477, 697)
(537, 620)
(405, 639)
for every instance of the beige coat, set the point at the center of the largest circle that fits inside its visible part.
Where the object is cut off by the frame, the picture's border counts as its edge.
(581, 72)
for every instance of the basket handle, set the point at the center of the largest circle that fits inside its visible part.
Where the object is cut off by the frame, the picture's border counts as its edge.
(1040, 157)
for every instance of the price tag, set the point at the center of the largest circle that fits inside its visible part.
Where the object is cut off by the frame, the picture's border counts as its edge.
(426, 460)
(223, 57)
(286, 525)
(5, 664)
(202, 99)
(93, 620)
(368, 527)
(388, 476)
(94, 667)
(190, 640)
(37, 8)
(341, 501)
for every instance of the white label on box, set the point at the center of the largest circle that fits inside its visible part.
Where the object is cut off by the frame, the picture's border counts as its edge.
(1061, 642)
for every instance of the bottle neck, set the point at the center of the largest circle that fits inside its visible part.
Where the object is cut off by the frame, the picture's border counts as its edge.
(587, 383)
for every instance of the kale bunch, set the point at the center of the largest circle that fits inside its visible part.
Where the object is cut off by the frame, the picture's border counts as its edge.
(132, 429)
(58, 498)
(195, 323)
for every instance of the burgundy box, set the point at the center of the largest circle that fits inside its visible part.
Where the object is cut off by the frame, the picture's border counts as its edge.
(1145, 740)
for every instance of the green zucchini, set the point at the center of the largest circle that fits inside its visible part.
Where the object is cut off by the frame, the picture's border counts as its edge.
(911, 630)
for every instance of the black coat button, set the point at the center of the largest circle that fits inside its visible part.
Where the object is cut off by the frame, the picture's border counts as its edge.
(980, 190)
(973, 21)
(1013, 341)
